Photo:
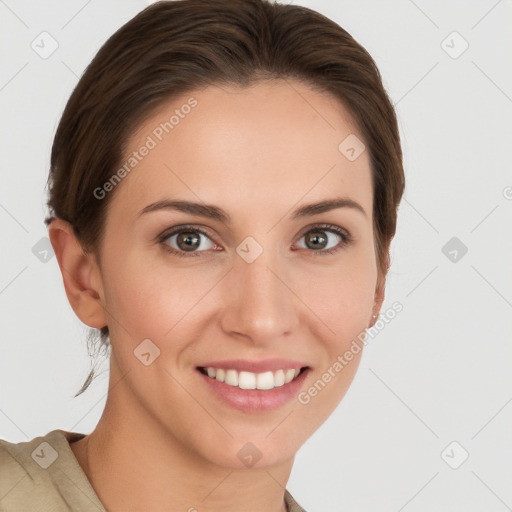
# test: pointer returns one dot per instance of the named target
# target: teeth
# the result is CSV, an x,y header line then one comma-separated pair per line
x,y
289,375
279,378
265,380
249,380
231,377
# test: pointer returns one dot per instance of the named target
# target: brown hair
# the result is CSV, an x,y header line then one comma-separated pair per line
x,y
173,47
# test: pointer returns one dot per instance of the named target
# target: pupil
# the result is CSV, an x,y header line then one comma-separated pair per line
x,y
317,240
190,241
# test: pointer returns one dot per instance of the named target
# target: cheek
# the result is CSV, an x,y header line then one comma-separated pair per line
x,y
342,303
151,297
342,297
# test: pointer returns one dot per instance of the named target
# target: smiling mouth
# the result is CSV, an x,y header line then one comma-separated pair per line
x,y
249,380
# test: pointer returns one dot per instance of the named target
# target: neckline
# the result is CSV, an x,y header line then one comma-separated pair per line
x,y
70,437
63,439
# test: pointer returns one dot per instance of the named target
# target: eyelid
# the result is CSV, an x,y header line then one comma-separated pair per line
x,y
326,226
346,236
176,230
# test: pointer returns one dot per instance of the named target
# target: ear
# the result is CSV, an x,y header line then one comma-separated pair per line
x,y
379,299
80,273
379,294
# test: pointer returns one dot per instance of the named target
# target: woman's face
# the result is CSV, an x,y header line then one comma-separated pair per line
x,y
251,285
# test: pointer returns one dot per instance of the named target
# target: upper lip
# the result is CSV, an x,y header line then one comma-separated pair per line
x,y
255,366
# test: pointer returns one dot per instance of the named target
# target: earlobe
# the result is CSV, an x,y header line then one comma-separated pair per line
x,y
380,287
379,299
80,274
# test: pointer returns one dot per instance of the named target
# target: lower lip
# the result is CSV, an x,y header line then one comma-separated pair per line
x,y
255,400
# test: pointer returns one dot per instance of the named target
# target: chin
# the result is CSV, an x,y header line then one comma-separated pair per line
x,y
249,447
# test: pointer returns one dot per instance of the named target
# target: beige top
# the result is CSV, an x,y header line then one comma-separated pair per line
x,y
44,475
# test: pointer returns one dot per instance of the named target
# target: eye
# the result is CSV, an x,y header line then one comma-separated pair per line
x,y
186,241
318,241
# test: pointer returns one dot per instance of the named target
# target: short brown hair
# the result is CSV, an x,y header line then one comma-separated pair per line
x,y
172,47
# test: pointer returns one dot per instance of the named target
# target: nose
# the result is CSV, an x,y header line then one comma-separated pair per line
x,y
259,303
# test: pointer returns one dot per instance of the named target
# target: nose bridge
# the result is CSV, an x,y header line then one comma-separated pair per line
x,y
261,306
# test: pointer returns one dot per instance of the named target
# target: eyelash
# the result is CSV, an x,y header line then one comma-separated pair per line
x,y
345,235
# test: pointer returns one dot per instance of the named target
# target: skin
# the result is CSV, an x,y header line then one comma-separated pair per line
x,y
164,440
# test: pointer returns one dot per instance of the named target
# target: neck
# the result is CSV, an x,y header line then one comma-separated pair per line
x,y
134,463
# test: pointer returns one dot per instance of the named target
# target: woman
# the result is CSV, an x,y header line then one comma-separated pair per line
x,y
223,193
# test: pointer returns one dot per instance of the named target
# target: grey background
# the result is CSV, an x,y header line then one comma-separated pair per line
x,y
438,372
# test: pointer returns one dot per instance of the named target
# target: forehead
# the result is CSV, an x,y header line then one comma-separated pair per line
x,y
272,143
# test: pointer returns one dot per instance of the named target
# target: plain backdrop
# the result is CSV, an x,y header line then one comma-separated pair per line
x,y
426,425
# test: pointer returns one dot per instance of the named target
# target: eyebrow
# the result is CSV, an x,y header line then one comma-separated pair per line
x,y
214,212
